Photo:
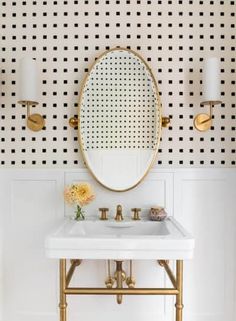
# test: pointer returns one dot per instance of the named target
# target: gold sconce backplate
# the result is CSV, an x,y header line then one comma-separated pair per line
x,y
202,122
35,122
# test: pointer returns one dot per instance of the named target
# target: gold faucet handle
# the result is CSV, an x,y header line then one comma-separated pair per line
x,y
136,216
103,211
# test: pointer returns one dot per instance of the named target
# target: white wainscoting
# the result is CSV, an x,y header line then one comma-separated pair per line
x,y
30,206
204,204
202,200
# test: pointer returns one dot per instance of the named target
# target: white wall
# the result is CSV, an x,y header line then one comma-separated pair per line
x,y
65,37
202,200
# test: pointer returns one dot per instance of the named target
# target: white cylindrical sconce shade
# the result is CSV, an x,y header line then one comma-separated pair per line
x,y
28,80
211,80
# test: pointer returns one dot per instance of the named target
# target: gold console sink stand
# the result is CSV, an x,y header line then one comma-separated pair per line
x,y
176,280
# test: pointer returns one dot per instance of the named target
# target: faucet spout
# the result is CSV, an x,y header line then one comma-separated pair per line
x,y
119,216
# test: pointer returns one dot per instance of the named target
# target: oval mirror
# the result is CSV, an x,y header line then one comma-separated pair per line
x,y
119,119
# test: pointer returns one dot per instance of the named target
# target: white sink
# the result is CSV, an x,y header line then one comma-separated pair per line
x,y
93,239
96,229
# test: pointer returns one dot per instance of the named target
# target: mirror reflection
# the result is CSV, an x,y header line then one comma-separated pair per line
x,y
119,119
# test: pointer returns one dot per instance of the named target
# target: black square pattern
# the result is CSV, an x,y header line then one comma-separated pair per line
x,y
65,37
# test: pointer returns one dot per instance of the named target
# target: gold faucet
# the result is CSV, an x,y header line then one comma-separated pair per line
x,y
119,216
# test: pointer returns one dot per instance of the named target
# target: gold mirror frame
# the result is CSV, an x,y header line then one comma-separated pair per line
x,y
158,111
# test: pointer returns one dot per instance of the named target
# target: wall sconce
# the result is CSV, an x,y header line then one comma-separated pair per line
x,y
211,93
28,92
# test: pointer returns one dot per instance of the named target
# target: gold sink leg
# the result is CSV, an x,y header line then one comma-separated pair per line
x,y
179,297
62,304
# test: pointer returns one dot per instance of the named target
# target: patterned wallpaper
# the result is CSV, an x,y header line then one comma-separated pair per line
x,y
65,37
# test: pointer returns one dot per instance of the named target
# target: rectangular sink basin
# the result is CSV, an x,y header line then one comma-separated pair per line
x,y
93,239
96,229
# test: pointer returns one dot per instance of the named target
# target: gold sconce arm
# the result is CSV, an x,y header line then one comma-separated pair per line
x,y
203,122
35,122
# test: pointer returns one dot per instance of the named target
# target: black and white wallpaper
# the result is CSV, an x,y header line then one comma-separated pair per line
x,y
65,37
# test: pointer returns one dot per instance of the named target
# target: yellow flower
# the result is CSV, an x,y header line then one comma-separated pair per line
x,y
83,193
80,194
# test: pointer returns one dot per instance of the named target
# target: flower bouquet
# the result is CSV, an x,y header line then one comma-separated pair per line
x,y
79,194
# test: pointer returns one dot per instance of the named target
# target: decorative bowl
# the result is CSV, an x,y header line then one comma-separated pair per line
x,y
157,213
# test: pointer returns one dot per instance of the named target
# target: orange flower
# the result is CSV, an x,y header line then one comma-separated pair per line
x,y
79,194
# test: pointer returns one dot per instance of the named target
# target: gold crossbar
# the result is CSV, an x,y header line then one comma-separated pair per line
x,y
125,291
